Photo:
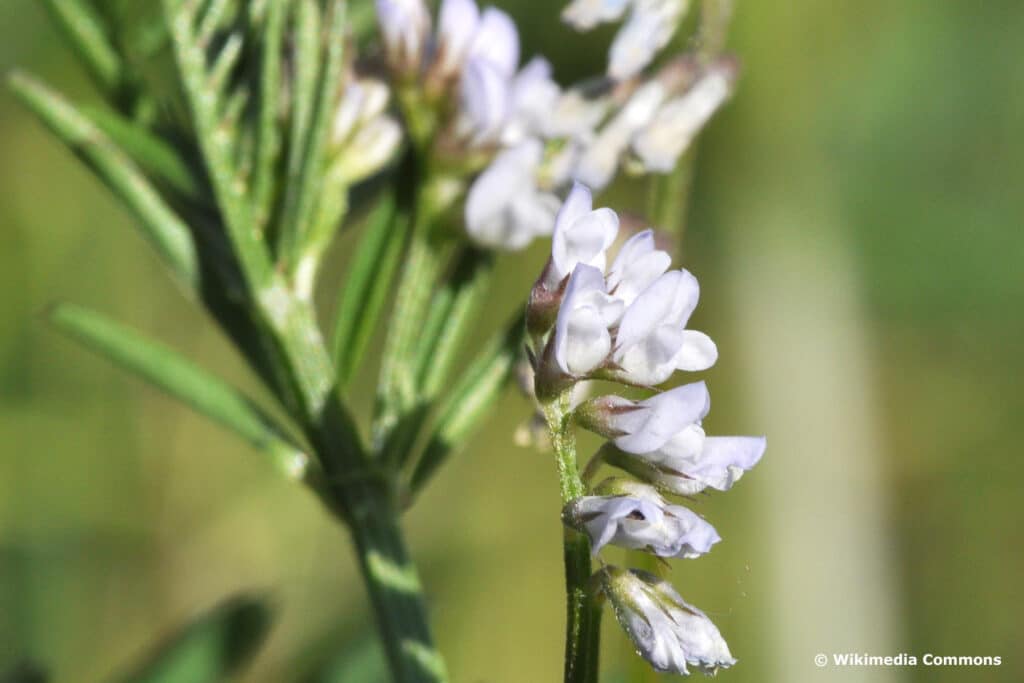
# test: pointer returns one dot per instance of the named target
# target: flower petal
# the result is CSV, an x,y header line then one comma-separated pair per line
x,y
497,41
697,352
664,415
457,26
582,341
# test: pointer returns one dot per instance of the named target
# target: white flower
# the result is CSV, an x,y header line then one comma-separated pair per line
x,y
534,94
497,41
584,15
582,340
650,27
690,461
404,25
652,341
660,144
504,207
364,135
637,265
372,147
362,100
667,631
601,157
485,101
582,235
456,28
634,516
646,426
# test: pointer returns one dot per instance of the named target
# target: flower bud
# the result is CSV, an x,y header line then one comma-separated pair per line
x,y
666,631
457,25
660,144
650,27
404,26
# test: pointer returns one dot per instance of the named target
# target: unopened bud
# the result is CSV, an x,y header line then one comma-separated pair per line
x,y
666,631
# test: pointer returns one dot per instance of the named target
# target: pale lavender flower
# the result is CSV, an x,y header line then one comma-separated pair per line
x,y
504,207
582,235
485,101
652,341
667,631
534,95
632,515
637,265
497,41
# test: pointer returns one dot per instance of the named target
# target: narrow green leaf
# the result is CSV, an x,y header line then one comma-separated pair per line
x,y
217,14
224,64
451,314
305,59
217,143
469,285
306,185
153,154
366,286
268,138
183,380
479,387
164,229
89,37
209,649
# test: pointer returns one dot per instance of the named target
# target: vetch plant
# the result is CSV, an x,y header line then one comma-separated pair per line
x,y
244,137
628,324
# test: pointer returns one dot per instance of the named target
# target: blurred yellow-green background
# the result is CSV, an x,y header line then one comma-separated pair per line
x,y
857,228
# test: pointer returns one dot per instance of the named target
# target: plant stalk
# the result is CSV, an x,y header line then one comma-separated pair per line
x,y
583,614
394,586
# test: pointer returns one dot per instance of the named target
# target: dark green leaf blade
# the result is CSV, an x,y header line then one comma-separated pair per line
x,y
210,648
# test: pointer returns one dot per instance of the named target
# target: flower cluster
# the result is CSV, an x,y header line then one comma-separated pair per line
x,y
529,137
627,322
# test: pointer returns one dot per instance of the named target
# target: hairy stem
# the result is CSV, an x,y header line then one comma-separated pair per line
x,y
583,615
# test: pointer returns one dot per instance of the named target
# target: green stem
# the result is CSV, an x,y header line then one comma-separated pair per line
x,y
394,588
583,614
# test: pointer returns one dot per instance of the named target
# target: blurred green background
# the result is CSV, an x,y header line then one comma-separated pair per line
x,y
857,227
